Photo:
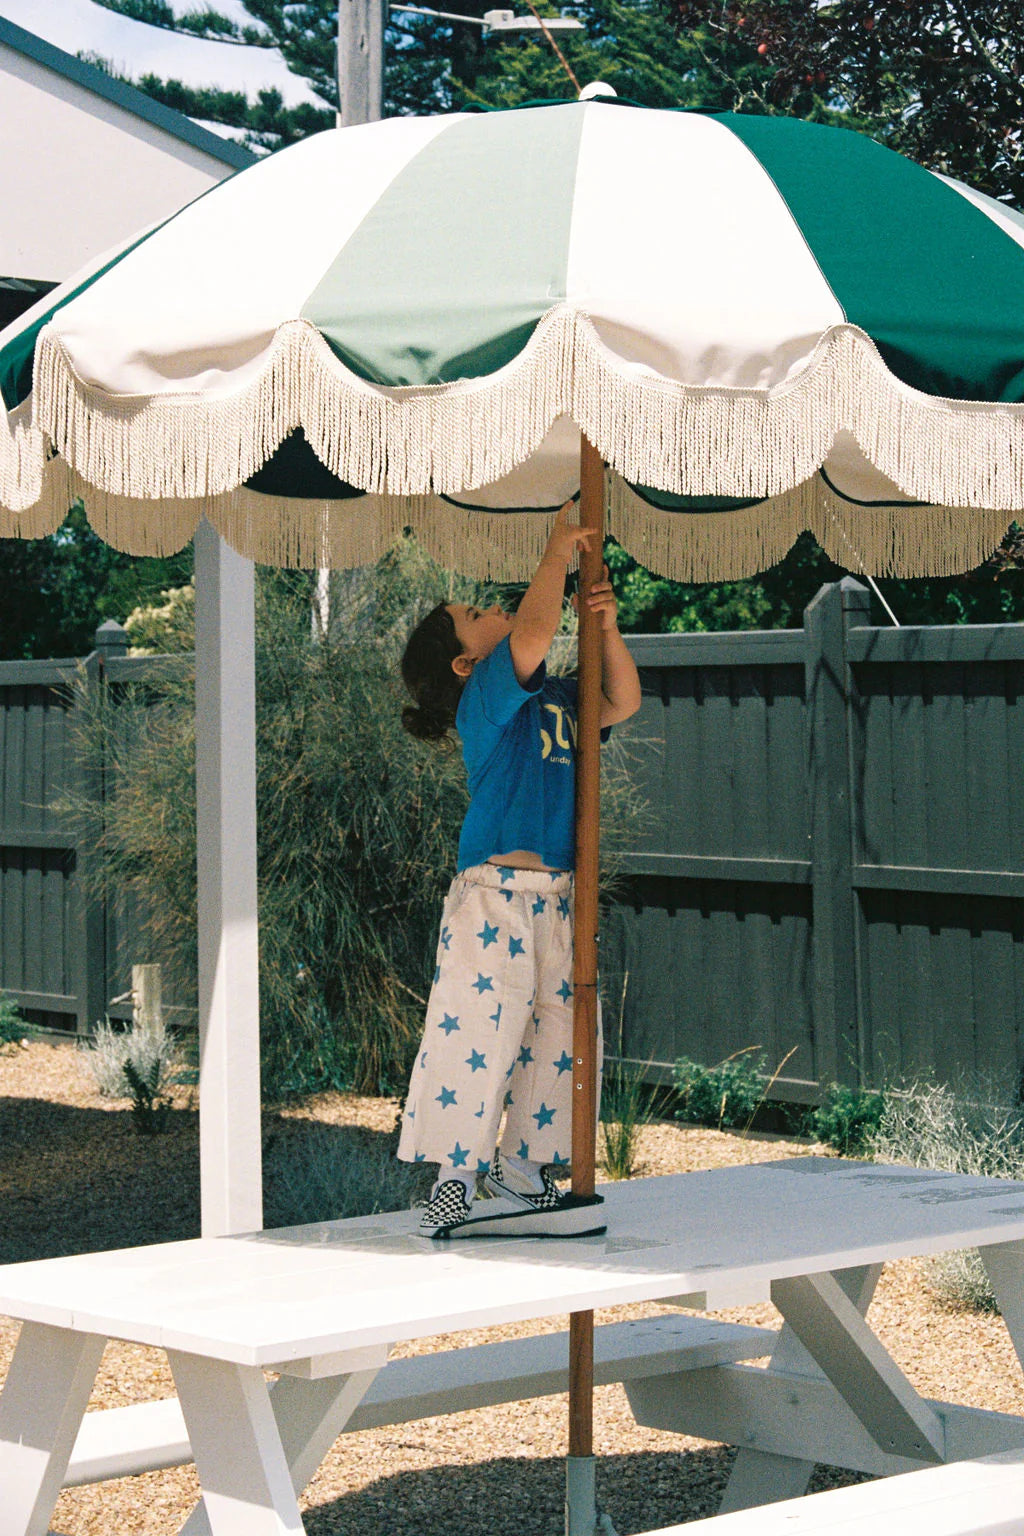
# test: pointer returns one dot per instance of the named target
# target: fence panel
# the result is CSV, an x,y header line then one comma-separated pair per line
x,y
42,959
833,859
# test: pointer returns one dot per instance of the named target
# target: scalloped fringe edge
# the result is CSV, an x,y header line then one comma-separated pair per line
x,y
444,439
684,546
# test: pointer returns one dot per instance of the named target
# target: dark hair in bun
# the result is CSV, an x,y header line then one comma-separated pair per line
x,y
427,673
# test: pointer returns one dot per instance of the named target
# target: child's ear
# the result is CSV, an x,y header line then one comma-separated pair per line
x,y
462,665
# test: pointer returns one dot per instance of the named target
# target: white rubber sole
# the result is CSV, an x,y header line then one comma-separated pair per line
x,y
578,1216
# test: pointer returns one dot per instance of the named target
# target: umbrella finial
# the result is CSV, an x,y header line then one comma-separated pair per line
x,y
597,88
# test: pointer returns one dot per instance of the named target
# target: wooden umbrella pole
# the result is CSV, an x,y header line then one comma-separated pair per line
x,y
584,1038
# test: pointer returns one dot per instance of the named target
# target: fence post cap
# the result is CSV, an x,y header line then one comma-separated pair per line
x,y
855,593
111,636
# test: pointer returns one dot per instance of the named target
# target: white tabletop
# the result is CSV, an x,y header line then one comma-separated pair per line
x,y
719,1238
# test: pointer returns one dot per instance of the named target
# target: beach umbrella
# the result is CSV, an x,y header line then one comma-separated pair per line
x,y
723,328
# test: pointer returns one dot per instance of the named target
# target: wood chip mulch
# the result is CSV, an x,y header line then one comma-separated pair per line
x,y
75,1176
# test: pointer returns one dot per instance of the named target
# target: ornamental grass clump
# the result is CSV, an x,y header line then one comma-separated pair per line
x,y
321,1172
968,1127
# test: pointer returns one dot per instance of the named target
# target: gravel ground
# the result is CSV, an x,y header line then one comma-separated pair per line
x,y
75,1175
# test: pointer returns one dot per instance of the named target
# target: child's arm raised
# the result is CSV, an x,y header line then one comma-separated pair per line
x,y
536,620
620,682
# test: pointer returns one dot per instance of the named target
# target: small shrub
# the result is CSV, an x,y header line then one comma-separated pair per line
x,y
964,1128
625,1107
846,1119
326,1173
726,1096
136,1063
13,1028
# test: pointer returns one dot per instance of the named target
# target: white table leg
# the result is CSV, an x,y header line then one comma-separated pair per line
x,y
41,1408
309,1416
1004,1263
760,1477
247,1489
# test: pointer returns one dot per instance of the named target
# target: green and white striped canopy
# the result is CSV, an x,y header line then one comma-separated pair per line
x,y
763,324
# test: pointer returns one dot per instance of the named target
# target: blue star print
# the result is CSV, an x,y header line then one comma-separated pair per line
x,y
559,1161
525,1056
483,983
419,1157
543,1116
445,1097
449,1023
524,1151
563,906
437,973
507,875
565,991
489,934
480,1112
458,1155
446,937
564,1063
482,1165
516,947
538,906
496,1017
475,1060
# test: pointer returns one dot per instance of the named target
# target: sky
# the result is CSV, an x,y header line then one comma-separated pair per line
x,y
134,49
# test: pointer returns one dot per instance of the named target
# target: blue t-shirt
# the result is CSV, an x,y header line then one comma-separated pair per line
x,y
519,745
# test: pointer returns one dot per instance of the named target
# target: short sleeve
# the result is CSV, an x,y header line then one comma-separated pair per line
x,y
494,694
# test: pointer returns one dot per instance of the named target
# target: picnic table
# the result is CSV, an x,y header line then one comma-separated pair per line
x,y
323,1305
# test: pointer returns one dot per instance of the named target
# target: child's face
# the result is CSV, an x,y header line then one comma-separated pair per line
x,y
478,630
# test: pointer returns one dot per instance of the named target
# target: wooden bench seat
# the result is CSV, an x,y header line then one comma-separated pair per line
x,y
118,1442
983,1497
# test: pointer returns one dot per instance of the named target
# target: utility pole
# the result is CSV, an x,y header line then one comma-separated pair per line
x,y
361,26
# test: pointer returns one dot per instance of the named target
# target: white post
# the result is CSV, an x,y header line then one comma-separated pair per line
x,y
229,1016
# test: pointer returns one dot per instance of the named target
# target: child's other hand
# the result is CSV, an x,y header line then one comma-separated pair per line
x,y
566,538
602,601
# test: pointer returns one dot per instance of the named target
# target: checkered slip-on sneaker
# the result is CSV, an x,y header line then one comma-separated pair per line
x,y
448,1207
506,1181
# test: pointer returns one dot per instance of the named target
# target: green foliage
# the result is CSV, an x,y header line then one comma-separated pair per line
x,y
846,1119
149,1111
13,1028
58,590
938,82
776,598
167,626
726,1096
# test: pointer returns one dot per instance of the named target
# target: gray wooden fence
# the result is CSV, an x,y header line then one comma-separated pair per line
x,y
65,952
831,863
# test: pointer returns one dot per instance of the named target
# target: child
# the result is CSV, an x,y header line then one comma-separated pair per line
x,y
498,1030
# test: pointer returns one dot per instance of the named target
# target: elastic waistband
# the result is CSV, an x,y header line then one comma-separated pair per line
x,y
499,877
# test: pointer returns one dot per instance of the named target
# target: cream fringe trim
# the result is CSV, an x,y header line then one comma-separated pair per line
x,y
446,438
685,546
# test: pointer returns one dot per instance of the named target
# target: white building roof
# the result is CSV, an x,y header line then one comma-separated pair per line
x,y
135,49
88,161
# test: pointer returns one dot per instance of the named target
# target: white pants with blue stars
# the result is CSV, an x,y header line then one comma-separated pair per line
x,y
498,1032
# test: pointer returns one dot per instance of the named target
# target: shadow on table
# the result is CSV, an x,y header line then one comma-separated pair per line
x,y
514,1496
